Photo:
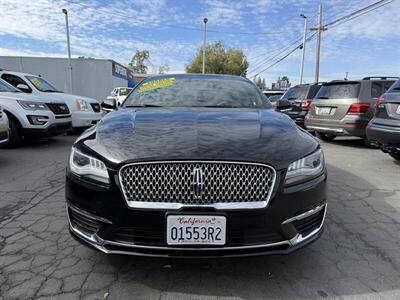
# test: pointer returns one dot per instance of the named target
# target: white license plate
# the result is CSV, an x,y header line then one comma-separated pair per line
x,y
398,110
323,110
196,230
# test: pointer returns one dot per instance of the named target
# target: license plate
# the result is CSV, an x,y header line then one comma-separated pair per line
x,y
323,110
398,110
196,230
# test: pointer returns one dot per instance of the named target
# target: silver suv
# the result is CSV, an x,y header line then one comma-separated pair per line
x,y
32,116
344,107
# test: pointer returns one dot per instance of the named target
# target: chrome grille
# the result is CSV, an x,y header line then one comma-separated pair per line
x,y
173,182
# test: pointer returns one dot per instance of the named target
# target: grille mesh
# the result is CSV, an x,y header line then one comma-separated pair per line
x,y
58,108
172,182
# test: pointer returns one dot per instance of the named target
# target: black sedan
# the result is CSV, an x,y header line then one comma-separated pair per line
x,y
384,129
196,166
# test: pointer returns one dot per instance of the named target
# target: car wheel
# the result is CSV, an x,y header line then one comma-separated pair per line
x,y
396,156
14,138
325,136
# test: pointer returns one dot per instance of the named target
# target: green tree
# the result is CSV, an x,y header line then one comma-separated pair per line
x,y
260,83
137,64
163,69
219,61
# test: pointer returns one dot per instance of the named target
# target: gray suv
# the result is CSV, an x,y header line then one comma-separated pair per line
x,y
343,107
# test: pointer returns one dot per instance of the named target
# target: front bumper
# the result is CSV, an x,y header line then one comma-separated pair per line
x,y
84,119
99,217
50,130
350,125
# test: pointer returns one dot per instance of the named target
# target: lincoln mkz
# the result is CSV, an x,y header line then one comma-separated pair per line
x,y
196,166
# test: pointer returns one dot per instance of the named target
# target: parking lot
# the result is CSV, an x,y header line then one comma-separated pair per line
x,y
357,256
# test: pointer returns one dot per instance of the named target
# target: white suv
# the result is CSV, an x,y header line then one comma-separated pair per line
x,y
85,111
4,127
31,116
120,94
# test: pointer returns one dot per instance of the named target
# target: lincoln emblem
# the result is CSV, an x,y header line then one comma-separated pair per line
x,y
197,182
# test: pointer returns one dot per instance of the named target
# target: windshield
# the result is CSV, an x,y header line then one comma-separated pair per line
x,y
6,87
195,91
338,91
297,92
42,85
124,91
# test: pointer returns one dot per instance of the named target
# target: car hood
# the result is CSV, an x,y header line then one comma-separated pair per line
x,y
199,134
69,99
29,97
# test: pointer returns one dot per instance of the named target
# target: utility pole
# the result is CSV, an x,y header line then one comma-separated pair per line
x,y
304,46
205,20
319,30
69,50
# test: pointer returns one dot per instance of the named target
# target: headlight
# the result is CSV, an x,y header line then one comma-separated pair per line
x,y
29,105
82,104
88,166
306,168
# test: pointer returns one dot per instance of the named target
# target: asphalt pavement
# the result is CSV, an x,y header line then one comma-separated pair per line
x,y
358,256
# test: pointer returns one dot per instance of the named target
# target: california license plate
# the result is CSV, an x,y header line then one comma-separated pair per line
x,y
323,110
196,230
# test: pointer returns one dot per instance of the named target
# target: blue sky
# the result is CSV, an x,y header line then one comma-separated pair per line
x,y
171,31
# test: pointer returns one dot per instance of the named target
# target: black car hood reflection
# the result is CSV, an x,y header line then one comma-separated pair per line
x,y
147,134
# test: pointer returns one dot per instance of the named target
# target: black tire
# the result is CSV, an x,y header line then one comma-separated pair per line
x,y
14,138
396,156
325,136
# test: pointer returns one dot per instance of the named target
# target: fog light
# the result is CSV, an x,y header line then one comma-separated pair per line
x,y
38,120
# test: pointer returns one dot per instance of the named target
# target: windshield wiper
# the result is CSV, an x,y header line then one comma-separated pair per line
x,y
323,97
144,105
291,98
51,91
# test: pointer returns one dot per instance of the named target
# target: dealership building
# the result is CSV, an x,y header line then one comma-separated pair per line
x,y
94,78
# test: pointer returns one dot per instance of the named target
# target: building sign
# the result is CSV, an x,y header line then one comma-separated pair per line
x,y
120,71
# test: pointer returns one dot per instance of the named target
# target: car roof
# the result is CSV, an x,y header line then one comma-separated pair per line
x,y
18,73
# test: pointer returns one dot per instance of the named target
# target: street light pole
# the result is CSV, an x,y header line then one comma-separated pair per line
x,y
205,20
304,46
69,49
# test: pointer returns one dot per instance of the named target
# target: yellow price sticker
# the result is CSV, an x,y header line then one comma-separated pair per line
x,y
156,84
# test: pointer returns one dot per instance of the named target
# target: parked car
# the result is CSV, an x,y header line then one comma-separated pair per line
x,y
32,116
85,111
196,169
120,94
300,97
384,129
343,107
4,127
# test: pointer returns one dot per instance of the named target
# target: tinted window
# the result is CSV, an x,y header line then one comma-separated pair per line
x,y
6,87
376,89
297,92
14,80
195,91
338,91
41,84
390,86
313,91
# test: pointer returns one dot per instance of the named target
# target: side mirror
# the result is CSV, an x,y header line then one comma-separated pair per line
x,y
24,88
283,104
109,104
